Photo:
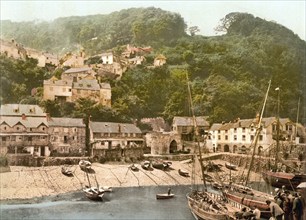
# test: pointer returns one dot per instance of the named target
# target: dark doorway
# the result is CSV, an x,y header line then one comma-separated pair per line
x,y
173,147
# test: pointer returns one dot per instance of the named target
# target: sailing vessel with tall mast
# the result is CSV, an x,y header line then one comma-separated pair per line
x,y
242,194
279,178
202,204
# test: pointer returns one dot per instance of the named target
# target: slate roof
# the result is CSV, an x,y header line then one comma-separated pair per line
x,y
29,122
112,127
87,84
66,122
78,70
66,82
188,121
19,109
105,86
248,122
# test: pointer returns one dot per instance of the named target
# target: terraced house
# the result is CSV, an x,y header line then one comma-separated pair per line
x,y
238,136
24,129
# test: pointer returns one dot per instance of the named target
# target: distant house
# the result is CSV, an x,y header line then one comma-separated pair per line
x,y
90,88
42,57
55,89
110,135
24,130
107,58
185,126
12,49
160,60
78,73
73,60
67,136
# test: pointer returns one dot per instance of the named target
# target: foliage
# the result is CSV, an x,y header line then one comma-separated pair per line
x,y
96,33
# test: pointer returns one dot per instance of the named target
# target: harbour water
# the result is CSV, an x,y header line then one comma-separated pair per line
x,y
122,203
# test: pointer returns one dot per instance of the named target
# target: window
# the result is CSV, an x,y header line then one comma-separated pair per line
x,y
235,137
65,139
243,137
29,138
4,128
274,127
3,139
226,137
288,127
243,129
13,138
219,137
226,131
235,130
252,137
260,137
69,90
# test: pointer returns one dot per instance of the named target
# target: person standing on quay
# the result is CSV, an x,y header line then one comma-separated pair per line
x,y
297,207
275,210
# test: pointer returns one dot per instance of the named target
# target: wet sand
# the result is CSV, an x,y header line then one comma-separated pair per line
x,y
34,182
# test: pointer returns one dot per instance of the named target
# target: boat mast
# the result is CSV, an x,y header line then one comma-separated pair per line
x,y
196,131
259,127
277,131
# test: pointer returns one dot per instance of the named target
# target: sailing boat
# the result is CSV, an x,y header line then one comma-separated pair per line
x,y
91,192
279,178
243,195
202,204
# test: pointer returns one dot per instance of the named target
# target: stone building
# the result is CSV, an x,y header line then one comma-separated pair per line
x,y
238,136
110,135
55,89
184,126
67,136
163,142
24,130
75,85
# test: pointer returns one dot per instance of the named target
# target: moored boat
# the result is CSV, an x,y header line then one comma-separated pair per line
x,y
146,165
279,179
183,172
164,196
66,170
230,166
93,194
134,168
85,165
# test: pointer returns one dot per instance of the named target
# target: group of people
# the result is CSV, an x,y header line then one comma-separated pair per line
x,y
286,206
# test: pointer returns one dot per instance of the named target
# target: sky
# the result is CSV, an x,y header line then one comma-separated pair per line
x,y
202,13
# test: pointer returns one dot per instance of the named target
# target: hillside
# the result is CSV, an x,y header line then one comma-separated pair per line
x,y
229,73
98,32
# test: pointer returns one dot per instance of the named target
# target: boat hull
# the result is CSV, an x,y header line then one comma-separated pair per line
x,y
183,173
239,200
164,196
198,210
279,179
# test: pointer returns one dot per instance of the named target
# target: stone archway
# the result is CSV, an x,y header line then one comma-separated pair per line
x,y
226,148
235,148
173,147
219,148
